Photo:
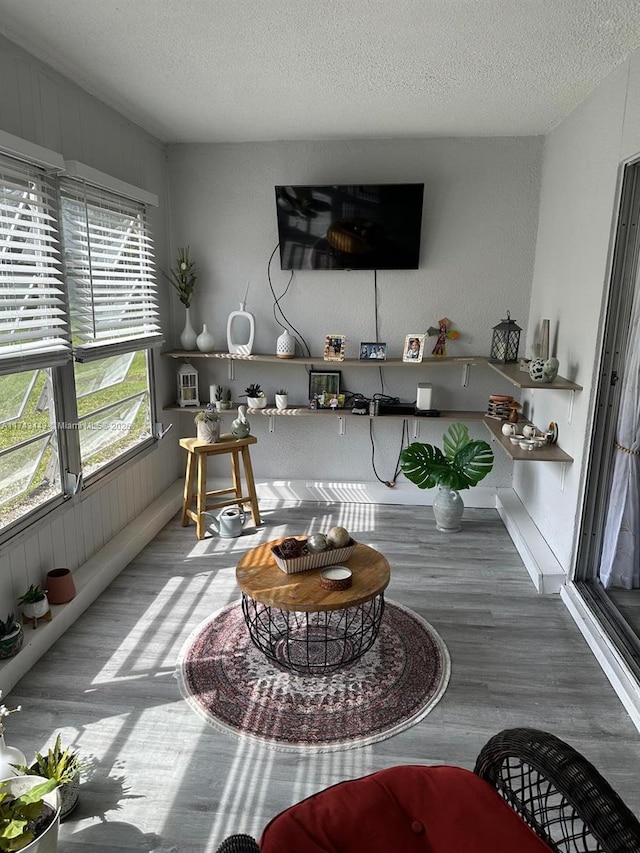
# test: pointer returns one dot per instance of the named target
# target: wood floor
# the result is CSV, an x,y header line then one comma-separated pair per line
x,y
162,780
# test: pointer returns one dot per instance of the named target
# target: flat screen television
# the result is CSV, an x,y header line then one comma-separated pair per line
x,y
350,227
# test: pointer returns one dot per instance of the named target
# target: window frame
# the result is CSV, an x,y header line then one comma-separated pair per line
x,y
64,400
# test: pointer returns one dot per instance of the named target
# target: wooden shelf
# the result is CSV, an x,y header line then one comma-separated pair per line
x,y
521,379
548,453
329,365
305,412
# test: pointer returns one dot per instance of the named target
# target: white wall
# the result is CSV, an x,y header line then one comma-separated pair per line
x,y
479,226
39,105
579,197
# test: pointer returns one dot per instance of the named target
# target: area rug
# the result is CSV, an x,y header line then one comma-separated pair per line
x,y
230,683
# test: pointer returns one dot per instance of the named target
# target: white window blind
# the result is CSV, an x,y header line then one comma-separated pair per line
x,y
110,272
33,324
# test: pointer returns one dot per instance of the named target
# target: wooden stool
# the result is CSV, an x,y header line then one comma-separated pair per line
x,y
197,454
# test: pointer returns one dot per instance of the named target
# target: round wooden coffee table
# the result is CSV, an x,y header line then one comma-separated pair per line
x,y
300,625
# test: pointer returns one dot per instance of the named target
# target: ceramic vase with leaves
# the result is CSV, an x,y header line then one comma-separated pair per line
x,y
462,464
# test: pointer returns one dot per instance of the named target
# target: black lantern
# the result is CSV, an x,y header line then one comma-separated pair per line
x,y
505,342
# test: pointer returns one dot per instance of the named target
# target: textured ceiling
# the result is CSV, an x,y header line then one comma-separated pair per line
x,y
236,70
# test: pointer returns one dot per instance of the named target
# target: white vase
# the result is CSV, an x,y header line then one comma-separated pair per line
x,y
205,340
281,401
241,330
448,507
9,755
286,345
189,335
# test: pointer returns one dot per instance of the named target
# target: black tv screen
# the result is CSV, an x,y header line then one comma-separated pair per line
x,y
354,227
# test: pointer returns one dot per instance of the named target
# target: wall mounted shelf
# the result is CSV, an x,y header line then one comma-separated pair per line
x,y
314,361
548,453
521,379
340,416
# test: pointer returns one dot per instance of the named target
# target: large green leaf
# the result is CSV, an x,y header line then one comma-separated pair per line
x,y
463,464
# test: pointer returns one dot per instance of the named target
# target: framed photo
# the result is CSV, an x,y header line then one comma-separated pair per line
x,y
413,348
334,348
324,389
373,349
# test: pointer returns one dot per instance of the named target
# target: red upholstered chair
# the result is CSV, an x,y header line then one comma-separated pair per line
x,y
530,793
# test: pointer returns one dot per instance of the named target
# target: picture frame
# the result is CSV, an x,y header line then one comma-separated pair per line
x,y
324,389
334,348
373,350
413,348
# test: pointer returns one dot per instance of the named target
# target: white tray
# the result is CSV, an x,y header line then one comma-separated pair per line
x,y
314,561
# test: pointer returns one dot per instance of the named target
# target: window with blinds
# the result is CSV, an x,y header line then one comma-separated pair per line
x,y
33,324
109,268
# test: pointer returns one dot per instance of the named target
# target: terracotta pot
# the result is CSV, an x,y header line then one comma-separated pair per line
x,y
60,586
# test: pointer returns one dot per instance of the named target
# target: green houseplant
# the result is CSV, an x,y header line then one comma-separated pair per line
x,y
208,424
460,465
29,814
256,398
35,603
11,636
62,765
282,399
184,276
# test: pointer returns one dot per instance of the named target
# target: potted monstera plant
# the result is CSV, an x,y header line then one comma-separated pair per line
x,y
461,464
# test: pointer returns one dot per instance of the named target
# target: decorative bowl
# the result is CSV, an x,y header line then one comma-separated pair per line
x,y
313,561
336,578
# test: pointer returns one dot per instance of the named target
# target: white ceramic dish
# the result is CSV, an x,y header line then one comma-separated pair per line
x,y
336,573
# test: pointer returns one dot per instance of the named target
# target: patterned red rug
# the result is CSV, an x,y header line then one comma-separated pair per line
x,y
232,685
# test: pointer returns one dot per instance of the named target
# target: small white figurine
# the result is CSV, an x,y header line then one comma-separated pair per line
x,y
240,426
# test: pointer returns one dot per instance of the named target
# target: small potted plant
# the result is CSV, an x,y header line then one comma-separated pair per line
x,y
282,399
462,464
35,604
223,398
256,398
208,425
29,814
11,636
62,765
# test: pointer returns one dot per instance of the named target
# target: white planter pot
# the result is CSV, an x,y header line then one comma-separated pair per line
x,y
208,431
256,402
48,841
36,609
281,401
448,507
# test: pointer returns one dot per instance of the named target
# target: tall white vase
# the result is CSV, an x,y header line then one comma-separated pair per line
x,y
189,335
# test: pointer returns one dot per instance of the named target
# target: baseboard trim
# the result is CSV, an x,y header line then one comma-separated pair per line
x,y
91,579
403,493
545,571
612,664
